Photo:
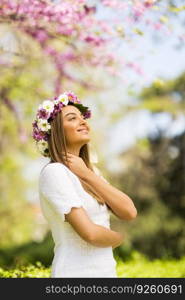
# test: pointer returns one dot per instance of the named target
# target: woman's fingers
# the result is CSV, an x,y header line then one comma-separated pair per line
x,y
68,154
66,157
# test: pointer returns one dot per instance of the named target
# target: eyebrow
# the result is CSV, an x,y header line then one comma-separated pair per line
x,y
72,114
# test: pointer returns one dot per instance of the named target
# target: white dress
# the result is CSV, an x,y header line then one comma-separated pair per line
x,y
60,190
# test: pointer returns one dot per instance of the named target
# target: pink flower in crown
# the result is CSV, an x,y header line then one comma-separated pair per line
x,y
72,97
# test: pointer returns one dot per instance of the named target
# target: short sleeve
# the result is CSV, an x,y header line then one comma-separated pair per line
x,y
58,189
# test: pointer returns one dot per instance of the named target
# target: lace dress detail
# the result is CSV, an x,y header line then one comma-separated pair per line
x,y
60,190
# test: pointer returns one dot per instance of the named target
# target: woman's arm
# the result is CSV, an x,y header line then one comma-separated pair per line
x,y
119,202
104,237
92,233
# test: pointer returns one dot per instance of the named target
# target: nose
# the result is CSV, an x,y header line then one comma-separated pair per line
x,y
84,122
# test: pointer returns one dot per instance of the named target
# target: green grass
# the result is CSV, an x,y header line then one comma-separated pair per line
x,y
30,271
138,266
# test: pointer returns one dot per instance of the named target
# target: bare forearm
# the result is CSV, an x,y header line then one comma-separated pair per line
x,y
104,237
120,203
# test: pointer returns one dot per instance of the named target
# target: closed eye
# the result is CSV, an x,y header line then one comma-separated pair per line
x,y
75,118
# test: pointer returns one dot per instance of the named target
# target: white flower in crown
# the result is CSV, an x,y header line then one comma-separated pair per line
x,y
48,105
56,101
43,125
63,98
42,145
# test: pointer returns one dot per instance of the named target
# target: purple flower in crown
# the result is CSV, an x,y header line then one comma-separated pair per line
x,y
37,134
87,114
34,124
43,114
46,137
57,108
52,116
54,113
60,105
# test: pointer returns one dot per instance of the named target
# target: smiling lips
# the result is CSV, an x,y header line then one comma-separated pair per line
x,y
84,130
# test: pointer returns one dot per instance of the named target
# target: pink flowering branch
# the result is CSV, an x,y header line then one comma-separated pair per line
x,y
84,38
76,25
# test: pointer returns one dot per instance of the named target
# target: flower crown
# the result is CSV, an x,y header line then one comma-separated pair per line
x,y
46,112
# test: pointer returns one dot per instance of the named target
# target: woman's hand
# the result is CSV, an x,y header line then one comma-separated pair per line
x,y
119,241
76,165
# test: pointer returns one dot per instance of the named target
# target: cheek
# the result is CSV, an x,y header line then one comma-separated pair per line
x,y
70,131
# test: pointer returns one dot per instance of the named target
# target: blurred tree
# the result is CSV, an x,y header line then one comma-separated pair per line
x,y
154,177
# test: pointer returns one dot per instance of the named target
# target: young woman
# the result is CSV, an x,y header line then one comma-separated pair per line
x,y
75,199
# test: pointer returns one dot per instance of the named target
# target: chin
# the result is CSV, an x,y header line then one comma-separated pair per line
x,y
85,141
86,138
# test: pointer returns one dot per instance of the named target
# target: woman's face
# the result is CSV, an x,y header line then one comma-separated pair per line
x,y
76,127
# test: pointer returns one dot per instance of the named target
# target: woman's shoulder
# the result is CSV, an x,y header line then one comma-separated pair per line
x,y
52,167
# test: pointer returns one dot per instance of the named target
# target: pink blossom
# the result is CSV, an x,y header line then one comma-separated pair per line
x,y
157,26
94,40
138,10
41,36
79,35
136,67
65,30
50,50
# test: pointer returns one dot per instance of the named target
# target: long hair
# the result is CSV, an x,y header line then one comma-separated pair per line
x,y
57,148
